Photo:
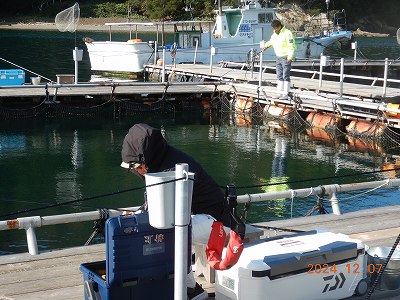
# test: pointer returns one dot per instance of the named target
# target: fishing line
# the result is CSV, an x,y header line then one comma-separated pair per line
x,y
314,179
88,198
173,180
41,203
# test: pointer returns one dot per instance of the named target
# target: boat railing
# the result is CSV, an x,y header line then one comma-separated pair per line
x,y
30,223
160,28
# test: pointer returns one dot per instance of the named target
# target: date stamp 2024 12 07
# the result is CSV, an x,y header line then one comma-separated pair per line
x,y
353,268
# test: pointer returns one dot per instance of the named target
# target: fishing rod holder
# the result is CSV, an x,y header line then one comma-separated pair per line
x,y
236,223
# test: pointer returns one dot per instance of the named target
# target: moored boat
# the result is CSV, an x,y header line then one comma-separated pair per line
x,y
236,34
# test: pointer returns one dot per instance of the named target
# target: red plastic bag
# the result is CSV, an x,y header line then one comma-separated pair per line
x,y
216,244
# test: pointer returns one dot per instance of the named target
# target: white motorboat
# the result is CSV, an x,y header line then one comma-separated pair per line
x,y
235,33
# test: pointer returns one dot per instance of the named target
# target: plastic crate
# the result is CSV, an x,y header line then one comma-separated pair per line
x,y
139,262
12,77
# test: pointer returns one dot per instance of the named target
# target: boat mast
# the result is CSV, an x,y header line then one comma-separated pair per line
x,y
219,8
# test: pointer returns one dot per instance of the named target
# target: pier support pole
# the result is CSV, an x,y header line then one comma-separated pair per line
x,y
181,231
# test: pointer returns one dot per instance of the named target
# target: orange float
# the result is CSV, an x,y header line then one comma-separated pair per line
x,y
393,110
243,103
320,134
364,146
365,127
280,111
322,121
135,41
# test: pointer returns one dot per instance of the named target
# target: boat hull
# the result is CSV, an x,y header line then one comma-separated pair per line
x,y
119,56
311,47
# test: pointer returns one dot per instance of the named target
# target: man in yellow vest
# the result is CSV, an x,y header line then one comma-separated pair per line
x,y
284,45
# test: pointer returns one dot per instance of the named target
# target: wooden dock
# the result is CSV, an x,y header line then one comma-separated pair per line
x,y
367,100
104,89
55,275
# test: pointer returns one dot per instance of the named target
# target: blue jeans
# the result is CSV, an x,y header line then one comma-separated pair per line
x,y
283,68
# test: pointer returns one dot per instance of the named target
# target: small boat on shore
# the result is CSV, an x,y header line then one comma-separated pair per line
x,y
235,36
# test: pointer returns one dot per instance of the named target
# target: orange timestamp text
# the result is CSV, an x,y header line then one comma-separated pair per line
x,y
353,268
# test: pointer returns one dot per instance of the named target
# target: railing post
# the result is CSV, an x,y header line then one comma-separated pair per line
x,y
385,75
29,224
341,76
261,69
163,66
212,53
354,46
335,205
320,70
181,231
155,52
195,52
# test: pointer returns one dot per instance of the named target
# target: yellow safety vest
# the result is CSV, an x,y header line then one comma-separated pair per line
x,y
283,43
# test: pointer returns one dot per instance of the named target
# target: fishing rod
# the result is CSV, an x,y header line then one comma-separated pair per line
x,y
18,66
169,181
314,179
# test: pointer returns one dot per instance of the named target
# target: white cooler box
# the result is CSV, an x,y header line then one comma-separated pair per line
x,y
310,265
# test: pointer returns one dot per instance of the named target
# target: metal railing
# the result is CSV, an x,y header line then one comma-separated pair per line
x,y
30,223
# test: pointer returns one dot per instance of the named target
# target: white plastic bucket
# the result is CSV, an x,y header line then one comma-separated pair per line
x,y
35,80
161,199
390,279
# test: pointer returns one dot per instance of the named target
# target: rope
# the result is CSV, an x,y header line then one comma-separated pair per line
x,y
99,225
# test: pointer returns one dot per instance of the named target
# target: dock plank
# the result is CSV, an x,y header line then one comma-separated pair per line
x,y
55,275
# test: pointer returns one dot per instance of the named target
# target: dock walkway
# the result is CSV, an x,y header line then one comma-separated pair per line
x,y
236,75
55,275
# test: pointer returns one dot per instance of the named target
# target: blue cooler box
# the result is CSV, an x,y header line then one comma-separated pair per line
x,y
139,262
12,77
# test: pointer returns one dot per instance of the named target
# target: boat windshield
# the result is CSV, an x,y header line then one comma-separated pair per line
x,y
233,18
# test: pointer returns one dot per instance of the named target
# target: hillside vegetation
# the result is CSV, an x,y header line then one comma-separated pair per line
x,y
368,15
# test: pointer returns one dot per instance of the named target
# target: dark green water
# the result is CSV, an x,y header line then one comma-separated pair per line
x,y
46,162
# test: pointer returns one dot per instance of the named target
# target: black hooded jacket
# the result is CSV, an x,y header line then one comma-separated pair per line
x,y
145,144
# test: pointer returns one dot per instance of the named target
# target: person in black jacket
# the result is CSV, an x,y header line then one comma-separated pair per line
x,y
145,150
